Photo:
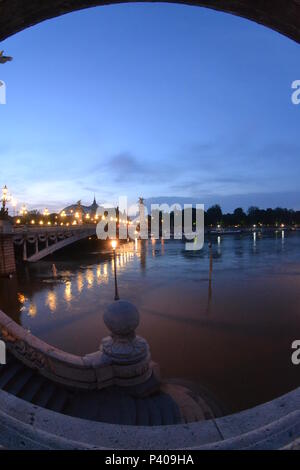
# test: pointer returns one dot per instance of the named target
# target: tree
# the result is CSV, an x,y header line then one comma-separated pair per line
x,y
239,216
214,215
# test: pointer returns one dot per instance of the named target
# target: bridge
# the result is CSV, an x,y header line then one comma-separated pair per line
x,y
45,240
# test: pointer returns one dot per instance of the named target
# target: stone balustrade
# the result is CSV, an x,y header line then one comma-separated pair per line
x,y
123,358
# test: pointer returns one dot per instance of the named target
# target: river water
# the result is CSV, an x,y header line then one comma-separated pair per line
x,y
232,336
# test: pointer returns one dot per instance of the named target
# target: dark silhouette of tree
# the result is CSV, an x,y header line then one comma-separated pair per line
x,y
214,215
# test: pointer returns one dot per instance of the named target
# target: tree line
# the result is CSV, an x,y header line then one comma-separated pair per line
x,y
253,216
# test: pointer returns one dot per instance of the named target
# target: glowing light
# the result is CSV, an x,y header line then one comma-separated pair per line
x,y
32,222
114,244
51,301
21,298
90,278
32,311
80,282
23,210
18,221
99,273
68,291
105,271
41,222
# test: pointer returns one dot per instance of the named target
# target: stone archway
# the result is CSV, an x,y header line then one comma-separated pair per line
x,y
280,15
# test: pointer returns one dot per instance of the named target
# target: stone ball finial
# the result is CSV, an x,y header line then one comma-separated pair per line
x,y
121,318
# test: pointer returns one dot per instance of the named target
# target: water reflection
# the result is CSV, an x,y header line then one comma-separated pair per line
x,y
21,298
89,275
68,291
51,301
32,311
80,282
254,242
219,246
228,301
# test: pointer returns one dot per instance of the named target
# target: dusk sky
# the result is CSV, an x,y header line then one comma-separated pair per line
x,y
152,100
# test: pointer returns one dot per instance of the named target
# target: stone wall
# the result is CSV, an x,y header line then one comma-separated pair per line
x,y
7,255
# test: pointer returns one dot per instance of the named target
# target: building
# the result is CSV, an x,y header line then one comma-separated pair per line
x,y
80,210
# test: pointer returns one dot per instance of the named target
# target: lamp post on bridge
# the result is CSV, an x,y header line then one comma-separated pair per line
x,y
4,199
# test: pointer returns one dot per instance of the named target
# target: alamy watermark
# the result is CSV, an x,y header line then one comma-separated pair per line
x,y
2,353
2,92
296,353
187,223
296,93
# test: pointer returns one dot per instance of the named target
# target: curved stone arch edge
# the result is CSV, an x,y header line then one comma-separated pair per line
x,y
270,426
283,20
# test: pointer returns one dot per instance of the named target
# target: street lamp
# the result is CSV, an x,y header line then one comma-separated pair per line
x,y
114,246
4,198
23,210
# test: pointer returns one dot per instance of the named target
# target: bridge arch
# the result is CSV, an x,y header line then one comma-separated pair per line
x,y
280,15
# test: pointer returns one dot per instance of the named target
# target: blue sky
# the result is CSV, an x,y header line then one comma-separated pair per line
x,y
153,100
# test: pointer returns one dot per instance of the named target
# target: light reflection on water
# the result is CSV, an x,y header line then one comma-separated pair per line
x,y
232,333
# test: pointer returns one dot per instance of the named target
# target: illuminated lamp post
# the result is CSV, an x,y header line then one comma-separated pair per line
x,y
4,199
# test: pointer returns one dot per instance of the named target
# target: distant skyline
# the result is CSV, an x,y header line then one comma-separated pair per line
x,y
157,100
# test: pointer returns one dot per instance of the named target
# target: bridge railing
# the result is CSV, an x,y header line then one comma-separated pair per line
x,y
50,228
92,371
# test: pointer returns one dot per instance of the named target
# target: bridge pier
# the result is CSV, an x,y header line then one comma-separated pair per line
x,y
7,252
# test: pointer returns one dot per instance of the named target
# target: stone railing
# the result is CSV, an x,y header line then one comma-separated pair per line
x,y
123,359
